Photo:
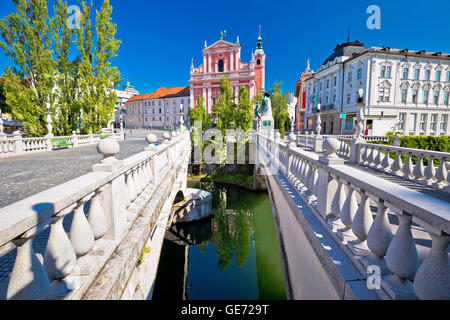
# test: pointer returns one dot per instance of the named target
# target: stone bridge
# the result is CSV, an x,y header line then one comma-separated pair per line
x,y
96,236
353,223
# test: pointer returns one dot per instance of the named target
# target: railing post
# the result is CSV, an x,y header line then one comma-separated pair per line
x,y
74,139
327,186
113,197
18,143
355,150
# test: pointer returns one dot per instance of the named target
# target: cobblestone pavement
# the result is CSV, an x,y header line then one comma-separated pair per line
x,y
25,175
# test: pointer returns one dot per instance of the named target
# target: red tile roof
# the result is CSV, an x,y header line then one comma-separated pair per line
x,y
162,93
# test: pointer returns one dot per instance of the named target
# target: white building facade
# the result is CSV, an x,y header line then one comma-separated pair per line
x,y
404,88
158,110
123,95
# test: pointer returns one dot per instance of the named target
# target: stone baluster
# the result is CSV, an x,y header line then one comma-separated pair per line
x,y
432,278
96,217
137,181
419,170
131,187
402,258
81,235
59,256
28,280
377,159
397,165
349,210
430,170
362,221
370,158
441,172
385,164
380,235
364,154
408,166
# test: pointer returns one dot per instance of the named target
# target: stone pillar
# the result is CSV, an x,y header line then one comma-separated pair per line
x,y
18,144
326,184
113,197
91,137
74,139
232,61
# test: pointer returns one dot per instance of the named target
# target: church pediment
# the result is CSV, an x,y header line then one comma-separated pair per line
x,y
221,44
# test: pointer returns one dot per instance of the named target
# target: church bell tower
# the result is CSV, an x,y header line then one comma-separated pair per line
x,y
259,58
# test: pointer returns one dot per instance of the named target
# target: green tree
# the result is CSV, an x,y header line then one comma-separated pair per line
x,y
199,114
4,107
97,77
279,109
27,42
243,116
225,108
67,113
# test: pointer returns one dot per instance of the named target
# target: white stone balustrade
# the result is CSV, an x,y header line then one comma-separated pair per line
x,y
14,144
343,197
116,192
377,156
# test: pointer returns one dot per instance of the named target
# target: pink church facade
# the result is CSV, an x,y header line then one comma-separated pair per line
x,y
223,58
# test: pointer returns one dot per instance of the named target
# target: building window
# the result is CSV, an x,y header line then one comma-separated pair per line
x,y
423,119
404,95
258,62
433,122
448,76
349,77
349,98
414,97
348,123
446,96
335,80
153,103
438,75
159,118
160,110
401,118
153,111
388,71
328,83
167,110
405,73
220,64
416,74
334,97
214,101
443,124
359,76
436,97
427,74
384,94
182,101
320,85
153,118
426,93
383,71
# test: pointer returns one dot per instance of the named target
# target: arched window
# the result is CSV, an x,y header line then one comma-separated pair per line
x,y
220,65
258,62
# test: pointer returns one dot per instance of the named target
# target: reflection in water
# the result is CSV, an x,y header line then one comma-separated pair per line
x,y
233,255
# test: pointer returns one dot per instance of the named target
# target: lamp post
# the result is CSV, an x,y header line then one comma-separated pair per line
x,y
49,120
360,115
181,117
1,123
318,121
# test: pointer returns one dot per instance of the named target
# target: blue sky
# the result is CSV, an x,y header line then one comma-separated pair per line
x,y
159,38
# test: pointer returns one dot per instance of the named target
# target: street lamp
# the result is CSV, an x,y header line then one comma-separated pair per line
x,y
360,115
318,121
1,122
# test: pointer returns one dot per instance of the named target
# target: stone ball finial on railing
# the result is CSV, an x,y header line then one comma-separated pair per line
x,y
331,145
277,136
108,147
152,140
166,137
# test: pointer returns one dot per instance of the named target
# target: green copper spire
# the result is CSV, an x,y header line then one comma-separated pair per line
x,y
259,47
